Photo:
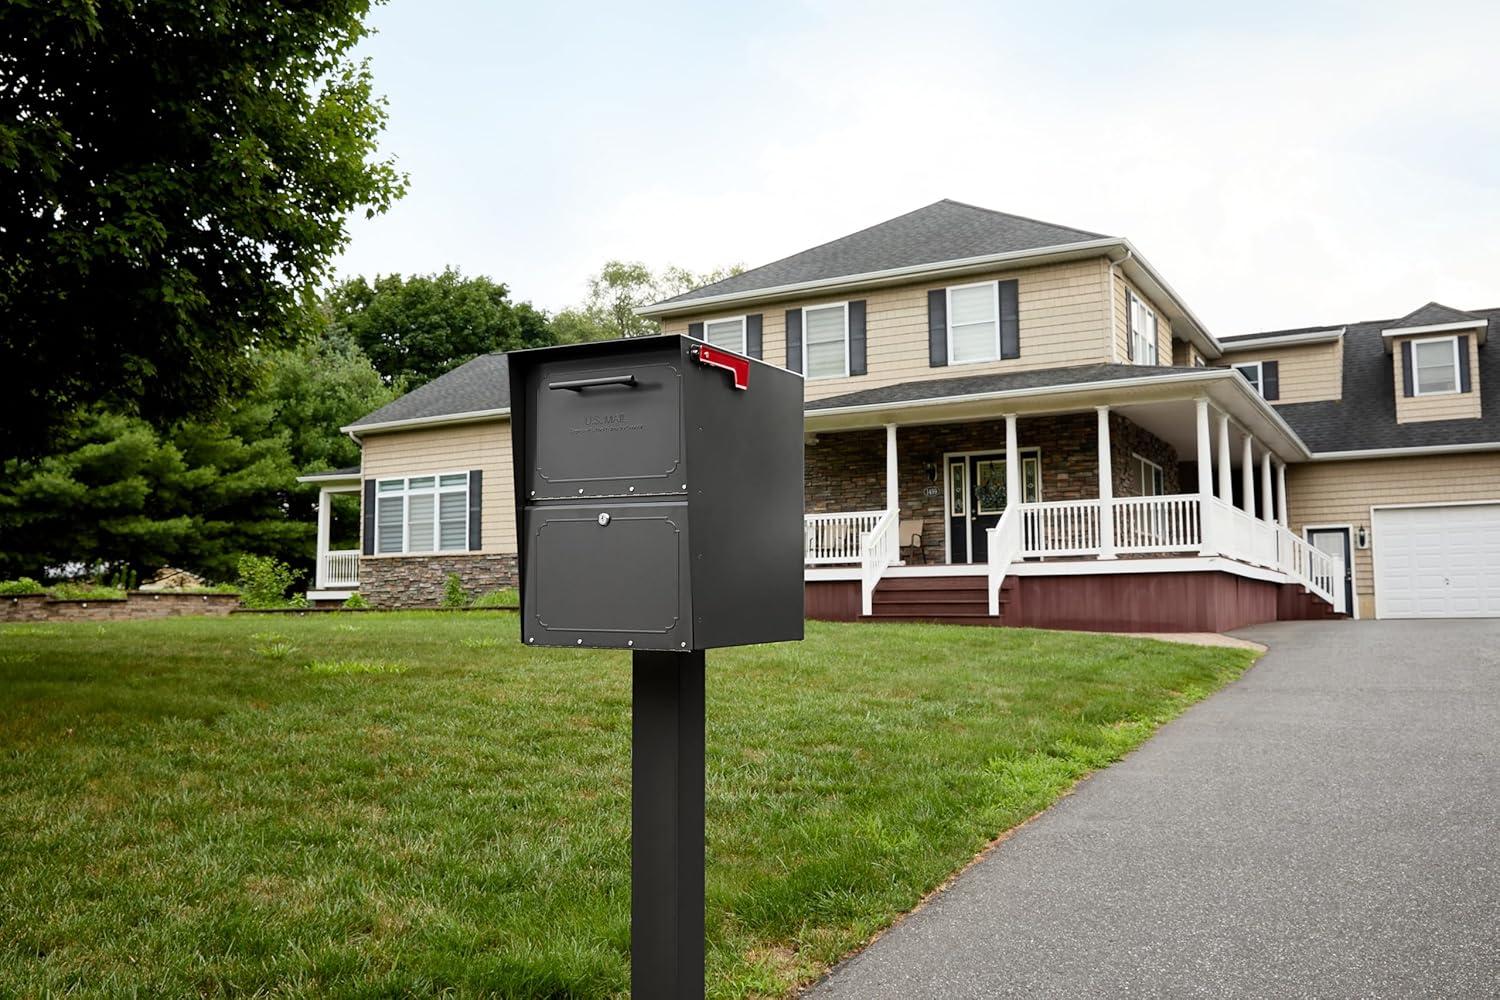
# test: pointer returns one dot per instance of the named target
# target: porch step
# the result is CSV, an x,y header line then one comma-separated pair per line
x,y
953,600
934,619
891,584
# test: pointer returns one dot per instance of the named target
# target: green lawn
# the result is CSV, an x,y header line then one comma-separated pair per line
x,y
362,805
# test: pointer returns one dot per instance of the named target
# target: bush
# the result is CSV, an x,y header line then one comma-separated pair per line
x,y
24,585
505,597
264,582
86,592
356,602
453,592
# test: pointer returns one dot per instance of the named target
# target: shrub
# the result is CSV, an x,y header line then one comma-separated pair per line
x,y
85,592
23,585
356,602
505,597
453,592
264,582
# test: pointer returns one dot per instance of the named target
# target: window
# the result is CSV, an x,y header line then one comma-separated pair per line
x,y
422,514
1435,366
825,341
726,333
958,495
1142,330
973,323
1251,371
1149,479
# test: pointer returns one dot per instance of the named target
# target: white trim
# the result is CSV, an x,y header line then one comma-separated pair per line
x,y
1131,301
436,491
1030,451
469,417
825,305
1260,373
742,319
1431,503
1067,567
1282,340
1353,563
1143,460
1434,449
1416,368
948,319
1468,324
328,477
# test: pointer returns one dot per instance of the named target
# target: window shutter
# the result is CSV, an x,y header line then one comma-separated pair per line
x,y
1270,379
857,337
794,340
937,327
1406,372
1129,325
695,330
1010,320
476,508
752,336
1464,385
367,542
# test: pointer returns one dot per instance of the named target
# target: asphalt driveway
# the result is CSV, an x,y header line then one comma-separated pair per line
x,y
1328,826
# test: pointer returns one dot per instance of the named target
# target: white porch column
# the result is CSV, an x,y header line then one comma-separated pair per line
x,y
1267,511
1281,506
1205,477
325,521
1012,463
1247,475
1226,472
892,487
1106,490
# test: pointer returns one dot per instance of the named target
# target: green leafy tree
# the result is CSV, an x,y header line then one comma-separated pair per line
x,y
620,288
415,328
174,175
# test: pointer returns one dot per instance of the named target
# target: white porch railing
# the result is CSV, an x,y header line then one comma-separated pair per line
x,y
339,570
1239,536
1158,524
878,548
835,538
1315,569
1060,528
1004,549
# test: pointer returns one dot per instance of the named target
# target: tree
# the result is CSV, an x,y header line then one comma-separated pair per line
x,y
618,290
415,329
173,175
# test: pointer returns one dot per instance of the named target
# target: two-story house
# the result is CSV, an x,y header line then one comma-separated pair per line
x,y
1013,422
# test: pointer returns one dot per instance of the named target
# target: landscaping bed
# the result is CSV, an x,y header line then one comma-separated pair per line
x,y
407,804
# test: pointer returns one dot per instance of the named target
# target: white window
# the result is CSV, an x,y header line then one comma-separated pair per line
x,y
1142,330
973,323
1149,478
422,514
825,341
1435,366
726,333
1251,371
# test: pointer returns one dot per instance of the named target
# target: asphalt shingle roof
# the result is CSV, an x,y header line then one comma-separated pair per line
x,y
966,385
480,384
1432,314
943,231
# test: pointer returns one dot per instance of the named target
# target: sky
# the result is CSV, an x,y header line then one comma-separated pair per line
x,y
1281,164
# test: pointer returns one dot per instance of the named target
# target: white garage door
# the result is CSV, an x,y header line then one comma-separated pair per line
x,y
1437,562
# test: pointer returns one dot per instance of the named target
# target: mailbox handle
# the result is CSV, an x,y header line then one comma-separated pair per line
x,y
588,383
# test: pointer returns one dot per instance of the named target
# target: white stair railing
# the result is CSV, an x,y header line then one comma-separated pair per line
x,y
878,548
1321,573
835,538
1004,548
1239,536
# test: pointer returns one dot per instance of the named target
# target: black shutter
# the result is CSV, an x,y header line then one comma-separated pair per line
x,y
857,337
752,336
1129,325
1464,385
1270,379
937,327
695,330
1406,375
367,544
476,508
1010,320
794,340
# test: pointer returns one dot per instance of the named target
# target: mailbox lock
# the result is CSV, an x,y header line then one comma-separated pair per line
x,y
603,520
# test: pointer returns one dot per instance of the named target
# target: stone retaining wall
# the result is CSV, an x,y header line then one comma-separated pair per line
x,y
135,604
417,581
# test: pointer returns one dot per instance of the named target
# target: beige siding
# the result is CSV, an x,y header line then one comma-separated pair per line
x,y
483,446
1121,329
1185,355
1062,316
1343,492
1306,373
1449,406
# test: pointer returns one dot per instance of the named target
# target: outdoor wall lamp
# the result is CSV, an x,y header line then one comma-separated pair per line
x,y
1362,537
931,472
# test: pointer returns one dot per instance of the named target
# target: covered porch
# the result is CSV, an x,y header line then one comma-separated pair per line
x,y
335,570
1043,487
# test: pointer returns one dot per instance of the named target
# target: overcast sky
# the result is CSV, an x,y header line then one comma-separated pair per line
x,y
1282,164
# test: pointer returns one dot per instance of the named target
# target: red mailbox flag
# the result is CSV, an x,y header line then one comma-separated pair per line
x,y
734,364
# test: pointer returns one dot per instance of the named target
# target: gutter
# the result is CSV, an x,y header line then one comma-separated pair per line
x,y
443,419
1284,340
1412,452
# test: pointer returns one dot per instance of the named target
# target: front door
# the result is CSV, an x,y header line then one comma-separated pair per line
x,y
1335,542
976,498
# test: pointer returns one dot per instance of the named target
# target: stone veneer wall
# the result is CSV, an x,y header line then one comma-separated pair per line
x,y
136,604
846,471
417,581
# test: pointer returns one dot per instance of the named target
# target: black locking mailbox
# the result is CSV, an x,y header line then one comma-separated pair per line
x,y
658,496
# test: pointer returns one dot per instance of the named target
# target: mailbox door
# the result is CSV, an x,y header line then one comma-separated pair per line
x,y
606,429
607,575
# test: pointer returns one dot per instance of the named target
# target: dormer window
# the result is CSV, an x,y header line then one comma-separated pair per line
x,y
1435,366
1251,372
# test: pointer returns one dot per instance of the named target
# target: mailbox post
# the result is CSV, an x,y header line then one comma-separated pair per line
x,y
659,509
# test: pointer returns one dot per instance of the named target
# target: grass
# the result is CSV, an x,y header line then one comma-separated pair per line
x,y
402,806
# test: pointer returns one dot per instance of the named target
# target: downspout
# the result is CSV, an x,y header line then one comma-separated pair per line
x,y
1109,326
